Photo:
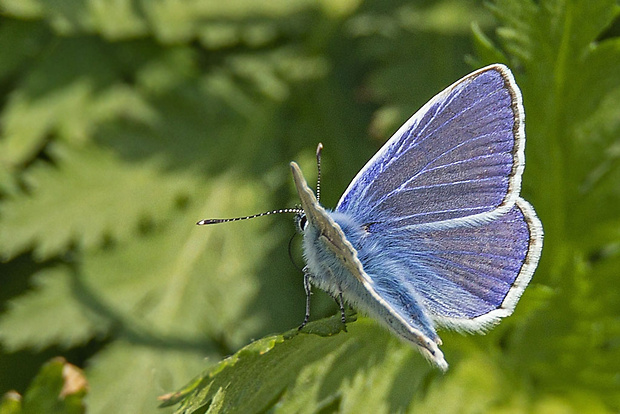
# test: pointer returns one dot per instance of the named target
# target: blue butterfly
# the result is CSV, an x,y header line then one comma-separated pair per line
x,y
432,231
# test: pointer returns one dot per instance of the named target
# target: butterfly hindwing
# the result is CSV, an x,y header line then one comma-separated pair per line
x,y
469,276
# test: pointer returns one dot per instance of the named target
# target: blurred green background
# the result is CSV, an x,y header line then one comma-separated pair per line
x,y
123,123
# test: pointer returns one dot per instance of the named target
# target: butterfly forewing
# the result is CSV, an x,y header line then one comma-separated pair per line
x,y
459,158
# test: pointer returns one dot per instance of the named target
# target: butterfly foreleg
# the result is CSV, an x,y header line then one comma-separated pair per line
x,y
339,300
343,316
308,290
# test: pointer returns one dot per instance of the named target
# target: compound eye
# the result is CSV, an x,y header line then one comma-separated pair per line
x,y
302,222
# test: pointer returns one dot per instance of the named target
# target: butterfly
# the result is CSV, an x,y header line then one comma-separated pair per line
x,y
432,231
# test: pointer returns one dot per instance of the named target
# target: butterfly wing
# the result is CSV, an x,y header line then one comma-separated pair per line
x,y
458,159
442,196
468,277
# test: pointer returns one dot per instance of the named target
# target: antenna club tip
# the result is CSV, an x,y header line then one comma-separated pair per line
x,y
319,148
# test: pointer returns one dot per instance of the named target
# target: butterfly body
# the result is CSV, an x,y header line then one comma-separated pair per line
x,y
432,231
387,273
343,260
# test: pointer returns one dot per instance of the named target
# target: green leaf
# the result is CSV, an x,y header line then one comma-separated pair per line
x,y
66,321
308,371
182,281
91,196
20,42
171,22
62,84
156,289
59,388
127,376
157,294
485,49
11,403
23,9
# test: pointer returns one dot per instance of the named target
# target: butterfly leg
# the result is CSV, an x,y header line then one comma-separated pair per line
x,y
343,316
308,290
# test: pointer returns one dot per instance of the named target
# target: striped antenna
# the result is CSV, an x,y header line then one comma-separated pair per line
x,y
319,148
267,213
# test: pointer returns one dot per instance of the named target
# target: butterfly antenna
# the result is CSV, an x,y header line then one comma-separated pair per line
x,y
319,148
266,213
